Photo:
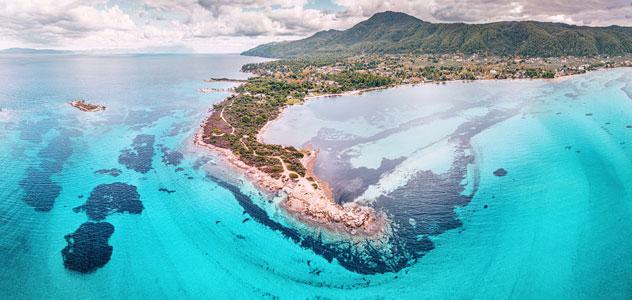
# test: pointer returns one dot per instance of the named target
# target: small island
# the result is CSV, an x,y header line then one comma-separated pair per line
x,y
82,105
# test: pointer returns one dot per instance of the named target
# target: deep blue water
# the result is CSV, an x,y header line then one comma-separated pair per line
x,y
117,204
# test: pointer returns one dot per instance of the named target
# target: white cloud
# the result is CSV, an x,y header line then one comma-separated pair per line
x,y
234,25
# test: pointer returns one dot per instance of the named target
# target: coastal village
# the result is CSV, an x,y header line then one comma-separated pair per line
x,y
437,68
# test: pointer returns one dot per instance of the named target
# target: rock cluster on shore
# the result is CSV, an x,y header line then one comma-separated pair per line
x,y
310,201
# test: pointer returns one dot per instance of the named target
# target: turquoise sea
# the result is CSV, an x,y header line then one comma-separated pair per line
x,y
497,189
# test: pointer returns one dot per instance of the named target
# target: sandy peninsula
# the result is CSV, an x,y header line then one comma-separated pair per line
x,y
307,199
232,130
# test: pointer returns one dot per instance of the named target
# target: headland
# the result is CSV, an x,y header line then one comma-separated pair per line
x,y
233,127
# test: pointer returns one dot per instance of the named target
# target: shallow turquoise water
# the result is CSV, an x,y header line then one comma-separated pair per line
x,y
556,225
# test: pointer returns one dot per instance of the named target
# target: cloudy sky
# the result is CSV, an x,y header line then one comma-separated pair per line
x,y
236,25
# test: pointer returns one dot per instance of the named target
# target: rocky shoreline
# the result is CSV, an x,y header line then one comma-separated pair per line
x,y
308,201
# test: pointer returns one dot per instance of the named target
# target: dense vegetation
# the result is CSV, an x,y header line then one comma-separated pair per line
x,y
398,33
260,99
236,121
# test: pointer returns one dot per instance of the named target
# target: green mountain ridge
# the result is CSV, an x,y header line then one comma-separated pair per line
x,y
399,33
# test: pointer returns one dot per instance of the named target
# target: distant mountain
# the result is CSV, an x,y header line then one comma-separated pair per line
x,y
33,51
396,33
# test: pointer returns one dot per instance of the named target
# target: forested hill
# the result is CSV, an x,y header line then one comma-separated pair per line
x,y
397,33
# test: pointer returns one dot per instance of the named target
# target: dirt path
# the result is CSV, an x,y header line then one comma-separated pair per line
x,y
221,115
286,171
